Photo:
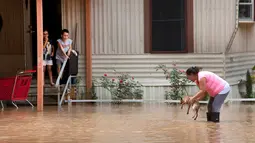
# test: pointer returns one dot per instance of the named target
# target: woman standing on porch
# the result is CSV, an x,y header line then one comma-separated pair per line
x,y
48,53
215,86
64,48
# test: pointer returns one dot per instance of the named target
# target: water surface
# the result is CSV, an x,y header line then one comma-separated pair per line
x,y
132,123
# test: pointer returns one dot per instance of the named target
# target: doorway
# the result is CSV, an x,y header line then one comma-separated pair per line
x,y
51,21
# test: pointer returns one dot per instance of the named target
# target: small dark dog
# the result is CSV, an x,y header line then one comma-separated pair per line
x,y
195,106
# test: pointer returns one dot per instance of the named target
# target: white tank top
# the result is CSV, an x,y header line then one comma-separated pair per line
x,y
66,46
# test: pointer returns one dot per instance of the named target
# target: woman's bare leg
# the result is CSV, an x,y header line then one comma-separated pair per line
x,y
58,69
44,68
58,66
50,74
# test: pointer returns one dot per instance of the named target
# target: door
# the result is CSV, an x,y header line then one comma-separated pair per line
x,y
28,34
51,21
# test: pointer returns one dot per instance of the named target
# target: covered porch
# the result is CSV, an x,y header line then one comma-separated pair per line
x,y
16,36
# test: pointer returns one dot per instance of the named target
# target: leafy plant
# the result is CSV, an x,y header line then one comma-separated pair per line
x,y
206,97
77,83
253,75
177,82
92,91
249,85
253,78
122,87
253,68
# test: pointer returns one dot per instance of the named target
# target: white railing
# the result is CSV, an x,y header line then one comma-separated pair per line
x,y
105,97
61,73
242,99
63,68
67,89
57,85
231,99
154,94
128,100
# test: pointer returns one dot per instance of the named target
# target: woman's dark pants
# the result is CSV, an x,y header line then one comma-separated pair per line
x,y
214,106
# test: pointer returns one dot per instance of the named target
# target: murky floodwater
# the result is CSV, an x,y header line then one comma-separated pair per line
x,y
147,123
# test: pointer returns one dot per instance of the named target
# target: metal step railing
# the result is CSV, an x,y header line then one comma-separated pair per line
x,y
67,89
68,83
61,73
57,85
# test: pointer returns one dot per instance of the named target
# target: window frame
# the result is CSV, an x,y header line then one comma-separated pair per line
x,y
252,12
189,34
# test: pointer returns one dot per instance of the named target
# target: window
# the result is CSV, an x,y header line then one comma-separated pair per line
x,y
246,10
168,26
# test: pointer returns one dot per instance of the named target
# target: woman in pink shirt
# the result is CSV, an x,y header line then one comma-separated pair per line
x,y
215,86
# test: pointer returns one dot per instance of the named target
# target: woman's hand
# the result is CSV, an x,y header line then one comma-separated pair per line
x,y
191,100
201,93
67,57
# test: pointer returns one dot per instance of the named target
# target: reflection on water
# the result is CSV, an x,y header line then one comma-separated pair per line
x,y
136,123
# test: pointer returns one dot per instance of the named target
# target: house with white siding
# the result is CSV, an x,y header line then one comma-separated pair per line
x,y
135,36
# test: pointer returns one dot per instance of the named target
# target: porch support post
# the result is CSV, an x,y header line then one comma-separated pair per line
x,y
40,79
88,48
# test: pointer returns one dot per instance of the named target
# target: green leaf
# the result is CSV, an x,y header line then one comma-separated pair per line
x,y
177,82
253,68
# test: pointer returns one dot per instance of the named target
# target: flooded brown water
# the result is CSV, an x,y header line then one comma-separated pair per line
x,y
144,123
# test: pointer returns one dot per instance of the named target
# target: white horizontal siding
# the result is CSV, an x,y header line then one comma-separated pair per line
x,y
158,92
150,92
238,64
142,67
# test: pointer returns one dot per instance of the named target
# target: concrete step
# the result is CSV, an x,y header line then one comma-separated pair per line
x,y
50,92
33,90
46,80
47,101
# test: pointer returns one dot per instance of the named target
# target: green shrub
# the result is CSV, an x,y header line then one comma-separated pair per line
x,y
177,80
122,87
249,85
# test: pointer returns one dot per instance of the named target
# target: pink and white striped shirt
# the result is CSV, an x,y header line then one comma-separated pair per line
x,y
214,84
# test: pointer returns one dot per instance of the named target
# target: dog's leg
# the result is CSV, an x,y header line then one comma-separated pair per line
x,y
196,117
196,114
181,106
188,109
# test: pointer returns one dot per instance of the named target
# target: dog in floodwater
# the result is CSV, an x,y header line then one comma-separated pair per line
x,y
195,106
